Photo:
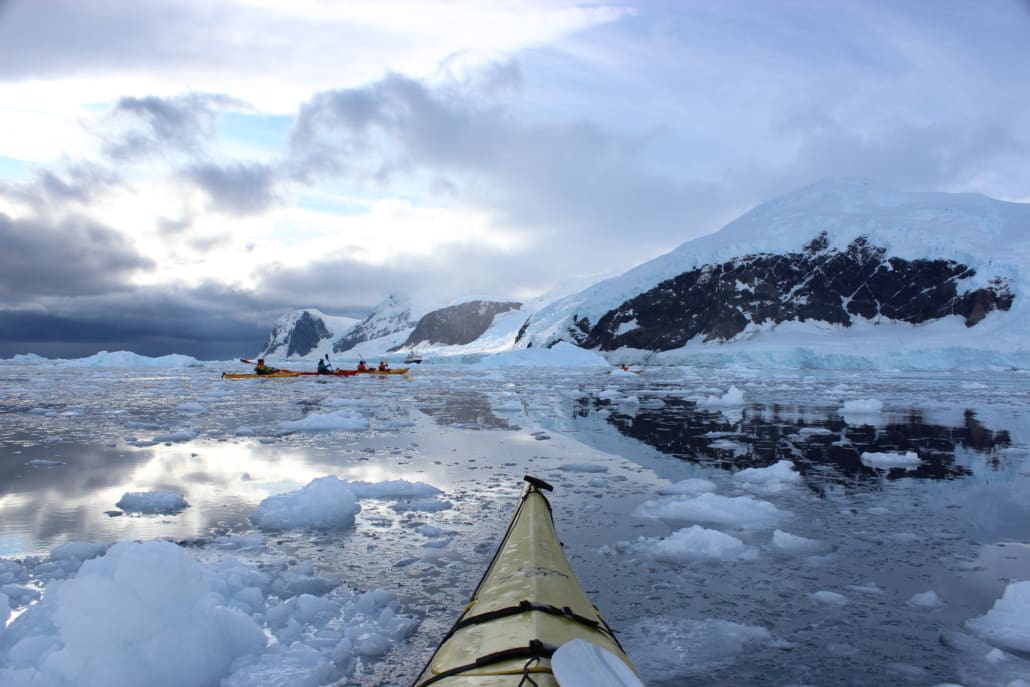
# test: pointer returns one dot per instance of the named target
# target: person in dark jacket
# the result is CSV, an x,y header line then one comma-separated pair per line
x,y
263,369
324,367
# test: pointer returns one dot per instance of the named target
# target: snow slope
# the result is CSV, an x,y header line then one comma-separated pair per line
x,y
989,235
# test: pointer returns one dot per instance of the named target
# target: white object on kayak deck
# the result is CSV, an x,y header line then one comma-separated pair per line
x,y
578,663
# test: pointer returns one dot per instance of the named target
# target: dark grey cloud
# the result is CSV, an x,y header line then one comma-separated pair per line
x,y
137,127
79,183
205,337
71,257
240,188
210,322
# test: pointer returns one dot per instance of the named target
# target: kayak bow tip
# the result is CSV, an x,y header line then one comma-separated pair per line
x,y
538,483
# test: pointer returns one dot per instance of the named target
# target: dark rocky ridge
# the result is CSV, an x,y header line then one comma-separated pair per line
x,y
718,302
304,337
457,325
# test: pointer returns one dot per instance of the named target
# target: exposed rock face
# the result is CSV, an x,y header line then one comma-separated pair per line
x,y
457,325
300,335
391,316
718,302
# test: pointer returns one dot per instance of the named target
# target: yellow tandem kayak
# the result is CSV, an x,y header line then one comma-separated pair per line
x,y
527,605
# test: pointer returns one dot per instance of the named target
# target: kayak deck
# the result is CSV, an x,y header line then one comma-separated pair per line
x,y
527,605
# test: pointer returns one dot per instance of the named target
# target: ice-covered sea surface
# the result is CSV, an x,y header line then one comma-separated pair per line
x,y
165,526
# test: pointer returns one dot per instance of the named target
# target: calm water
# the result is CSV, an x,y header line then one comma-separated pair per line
x,y
73,441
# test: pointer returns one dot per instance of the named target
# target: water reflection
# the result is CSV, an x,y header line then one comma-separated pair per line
x,y
825,445
50,494
462,409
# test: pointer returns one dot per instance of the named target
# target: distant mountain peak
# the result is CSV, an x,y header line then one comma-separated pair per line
x,y
297,333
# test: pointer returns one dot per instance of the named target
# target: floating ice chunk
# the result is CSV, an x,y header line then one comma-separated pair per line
x,y
798,546
175,436
129,359
191,408
582,467
745,512
78,551
862,406
561,355
347,402
298,665
152,502
1007,624
925,600
339,421
508,403
771,479
667,646
814,431
694,485
325,503
140,614
732,397
44,463
421,505
727,445
695,544
392,489
19,593
829,598
908,460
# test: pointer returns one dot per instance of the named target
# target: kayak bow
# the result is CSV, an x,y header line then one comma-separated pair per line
x,y
527,605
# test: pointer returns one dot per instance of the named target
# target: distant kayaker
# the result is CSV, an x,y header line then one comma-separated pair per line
x,y
324,367
383,367
362,367
263,369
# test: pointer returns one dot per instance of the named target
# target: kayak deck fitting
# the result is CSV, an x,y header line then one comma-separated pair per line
x,y
527,605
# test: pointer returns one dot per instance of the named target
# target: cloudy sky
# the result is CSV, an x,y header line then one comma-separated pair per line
x,y
177,174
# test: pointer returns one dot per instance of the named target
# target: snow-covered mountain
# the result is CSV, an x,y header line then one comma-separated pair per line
x,y
843,267
457,325
836,254
393,319
298,333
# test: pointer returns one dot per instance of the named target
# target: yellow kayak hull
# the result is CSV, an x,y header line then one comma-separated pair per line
x,y
254,375
527,605
398,371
